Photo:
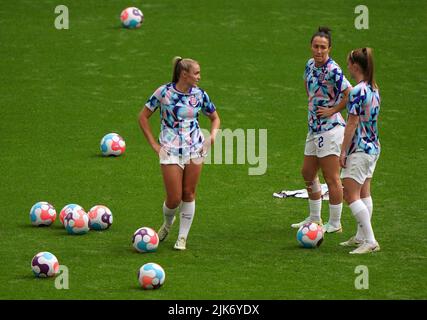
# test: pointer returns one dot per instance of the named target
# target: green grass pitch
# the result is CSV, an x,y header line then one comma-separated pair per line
x,y
62,90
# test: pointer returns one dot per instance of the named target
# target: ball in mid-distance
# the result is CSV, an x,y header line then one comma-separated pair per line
x,y
100,217
45,264
76,222
151,276
112,144
131,18
310,235
145,239
67,209
42,214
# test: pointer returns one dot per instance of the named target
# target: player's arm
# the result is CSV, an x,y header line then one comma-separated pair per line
x,y
215,123
350,129
144,123
326,112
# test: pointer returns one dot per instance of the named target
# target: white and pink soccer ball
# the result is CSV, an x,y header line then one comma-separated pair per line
x,y
45,264
100,217
151,276
42,214
76,222
145,240
112,144
310,235
131,18
67,209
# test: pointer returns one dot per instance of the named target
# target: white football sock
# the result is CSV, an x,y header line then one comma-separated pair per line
x,y
368,203
335,214
361,213
315,209
187,210
168,214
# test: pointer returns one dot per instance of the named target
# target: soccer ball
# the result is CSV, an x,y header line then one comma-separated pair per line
x,y
151,276
131,18
45,264
112,144
67,209
310,235
145,240
100,217
42,214
76,222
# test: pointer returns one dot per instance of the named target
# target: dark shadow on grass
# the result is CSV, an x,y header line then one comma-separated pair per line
x,y
297,248
30,226
100,156
31,277
132,250
97,155
146,292
56,230
28,276
120,27
58,226
54,227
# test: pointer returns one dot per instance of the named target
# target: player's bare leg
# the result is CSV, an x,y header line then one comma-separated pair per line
x,y
352,191
189,183
309,172
331,172
172,178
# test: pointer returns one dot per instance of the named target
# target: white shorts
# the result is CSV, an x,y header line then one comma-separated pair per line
x,y
359,166
182,161
324,144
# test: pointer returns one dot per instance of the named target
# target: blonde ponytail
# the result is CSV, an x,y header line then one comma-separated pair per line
x,y
179,64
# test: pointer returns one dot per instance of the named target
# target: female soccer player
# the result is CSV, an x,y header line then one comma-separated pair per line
x,y
327,91
361,148
181,147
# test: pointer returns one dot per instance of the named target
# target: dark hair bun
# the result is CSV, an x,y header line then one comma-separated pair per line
x,y
325,30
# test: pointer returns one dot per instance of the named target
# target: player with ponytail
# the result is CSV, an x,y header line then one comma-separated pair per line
x,y
181,145
361,148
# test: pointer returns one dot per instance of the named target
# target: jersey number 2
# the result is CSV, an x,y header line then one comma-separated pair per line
x,y
320,144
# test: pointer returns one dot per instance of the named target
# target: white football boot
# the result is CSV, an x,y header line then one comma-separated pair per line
x,y
180,243
164,230
329,228
366,247
352,242
307,220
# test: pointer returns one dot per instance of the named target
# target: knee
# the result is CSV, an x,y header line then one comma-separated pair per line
x,y
347,196
173,202
310,177
188,195
333,181
313,186
307,175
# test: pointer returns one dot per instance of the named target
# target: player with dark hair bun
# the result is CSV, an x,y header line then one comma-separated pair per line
x,y
327,90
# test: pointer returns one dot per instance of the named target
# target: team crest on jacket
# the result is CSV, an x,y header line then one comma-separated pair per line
x,y
193,101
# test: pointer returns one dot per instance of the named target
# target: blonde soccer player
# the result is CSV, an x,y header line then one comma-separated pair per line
x,y
181,145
